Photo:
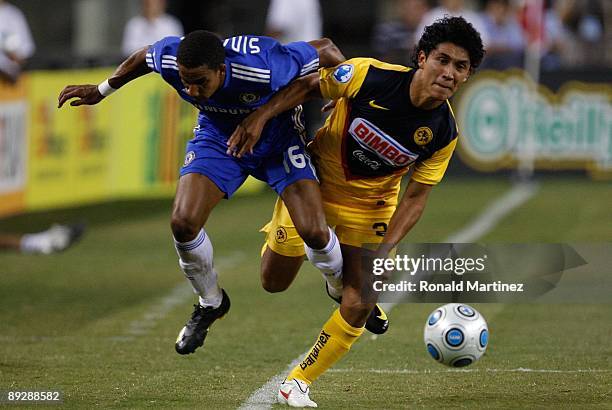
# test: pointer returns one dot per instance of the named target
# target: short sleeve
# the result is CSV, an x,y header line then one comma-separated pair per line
x,y
432,170
159,56
291,61
345,79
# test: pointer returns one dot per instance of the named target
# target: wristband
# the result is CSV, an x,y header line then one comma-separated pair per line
x,y
105,89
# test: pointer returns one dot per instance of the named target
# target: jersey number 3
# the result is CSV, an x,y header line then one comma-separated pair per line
x,y
380,228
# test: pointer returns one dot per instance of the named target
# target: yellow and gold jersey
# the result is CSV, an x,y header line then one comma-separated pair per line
x,y
375,133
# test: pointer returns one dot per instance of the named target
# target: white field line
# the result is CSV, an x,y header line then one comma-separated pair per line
x,y
158,310
517,370
265,396
483,224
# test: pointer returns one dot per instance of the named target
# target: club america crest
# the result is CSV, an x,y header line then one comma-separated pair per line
x,y
281,235
423,136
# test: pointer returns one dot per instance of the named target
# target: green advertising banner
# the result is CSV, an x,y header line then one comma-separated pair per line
x,y
506,119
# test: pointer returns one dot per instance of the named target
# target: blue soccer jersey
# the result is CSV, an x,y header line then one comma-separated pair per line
x,y
256,67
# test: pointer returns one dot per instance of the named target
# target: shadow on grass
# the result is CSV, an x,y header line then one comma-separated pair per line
x,y
95,214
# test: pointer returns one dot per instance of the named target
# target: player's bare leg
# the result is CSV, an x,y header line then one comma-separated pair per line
x,y
357,307
339,333
278,271
353,307
304,203
196,196
12,242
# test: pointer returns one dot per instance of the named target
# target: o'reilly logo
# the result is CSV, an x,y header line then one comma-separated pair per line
x,y
505,117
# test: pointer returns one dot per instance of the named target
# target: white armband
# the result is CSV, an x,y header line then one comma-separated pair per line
x,y
105,89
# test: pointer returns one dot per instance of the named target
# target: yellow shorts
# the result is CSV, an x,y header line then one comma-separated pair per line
x,y
354,227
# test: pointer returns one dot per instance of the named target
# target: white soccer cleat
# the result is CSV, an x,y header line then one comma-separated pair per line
x,y
294,393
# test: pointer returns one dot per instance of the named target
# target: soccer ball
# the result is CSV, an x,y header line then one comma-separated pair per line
x,y
456,335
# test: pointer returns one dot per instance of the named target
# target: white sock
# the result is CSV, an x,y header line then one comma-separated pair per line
x,y
54,239
36,243
196,262
329,261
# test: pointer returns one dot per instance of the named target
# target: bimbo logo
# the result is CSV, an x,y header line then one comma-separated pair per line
x,y
506,119
375,140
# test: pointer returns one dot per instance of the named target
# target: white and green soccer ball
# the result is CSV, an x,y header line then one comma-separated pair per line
x,y
456,335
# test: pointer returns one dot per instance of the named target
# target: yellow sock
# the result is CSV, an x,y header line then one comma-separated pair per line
x,y
333,342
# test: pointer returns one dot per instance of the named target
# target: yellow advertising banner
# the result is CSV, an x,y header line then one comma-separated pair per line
x,y
70,149
13,145
131,144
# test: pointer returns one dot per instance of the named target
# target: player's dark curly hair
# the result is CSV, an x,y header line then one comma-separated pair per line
x,y
454,30
200,48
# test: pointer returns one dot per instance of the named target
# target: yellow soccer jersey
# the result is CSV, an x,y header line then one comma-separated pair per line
x,y
375,134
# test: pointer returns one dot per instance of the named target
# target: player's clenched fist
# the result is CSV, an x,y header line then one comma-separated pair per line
x,y
87,94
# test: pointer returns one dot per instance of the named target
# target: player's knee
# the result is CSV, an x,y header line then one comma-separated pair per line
x,y
273,285
316,237
272,281
278,271
184,228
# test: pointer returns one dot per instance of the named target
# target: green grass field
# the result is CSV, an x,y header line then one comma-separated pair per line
x,y
99,321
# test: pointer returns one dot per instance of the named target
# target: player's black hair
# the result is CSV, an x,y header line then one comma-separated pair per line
x,y
454,30
200,48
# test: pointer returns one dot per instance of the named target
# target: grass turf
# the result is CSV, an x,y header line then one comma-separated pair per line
x,y
98,321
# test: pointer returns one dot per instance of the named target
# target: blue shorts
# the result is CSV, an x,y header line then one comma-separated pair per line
x,y
207,156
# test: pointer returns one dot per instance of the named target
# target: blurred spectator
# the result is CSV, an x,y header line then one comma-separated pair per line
x,y
152,25
16,44
506,46
290,20
541,23
555,38
55,239
583,21
394,41
454,8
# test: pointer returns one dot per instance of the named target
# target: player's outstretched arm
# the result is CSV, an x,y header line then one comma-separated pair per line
x,y
248,132
133,67
406,215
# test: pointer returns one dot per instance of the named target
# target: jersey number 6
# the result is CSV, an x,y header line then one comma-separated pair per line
x,y
297,160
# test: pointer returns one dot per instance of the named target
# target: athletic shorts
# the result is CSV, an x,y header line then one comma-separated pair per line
x,y
207,156
354,227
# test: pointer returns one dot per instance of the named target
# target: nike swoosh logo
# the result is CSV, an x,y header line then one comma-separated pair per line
x,y
374,105
383,315
286,395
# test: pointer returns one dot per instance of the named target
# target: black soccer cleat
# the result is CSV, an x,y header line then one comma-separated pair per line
x,y
193,334
377,322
